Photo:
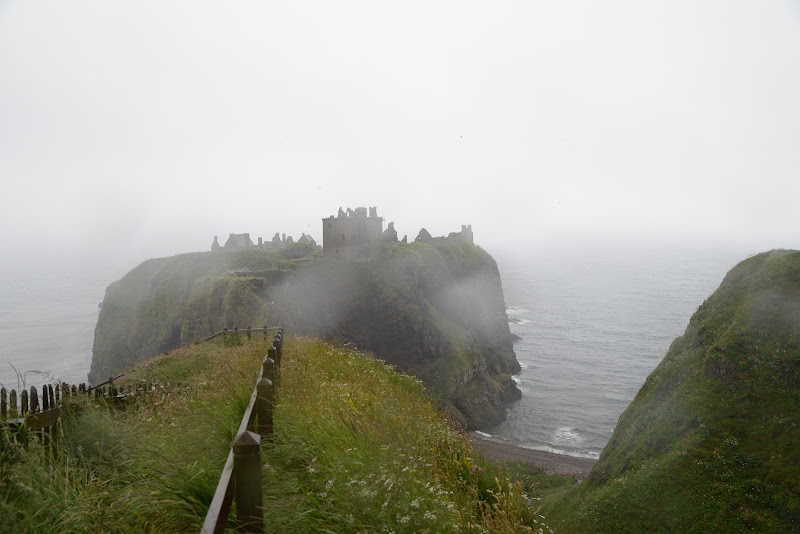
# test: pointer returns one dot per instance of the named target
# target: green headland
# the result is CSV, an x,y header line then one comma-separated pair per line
x,y
434,310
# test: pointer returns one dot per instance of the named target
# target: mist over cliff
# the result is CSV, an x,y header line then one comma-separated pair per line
x,y
435,311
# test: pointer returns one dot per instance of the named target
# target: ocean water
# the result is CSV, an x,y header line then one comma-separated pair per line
x,y
47,321
593,326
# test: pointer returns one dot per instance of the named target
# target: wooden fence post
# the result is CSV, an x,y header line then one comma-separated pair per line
x,y
268,368
279,344
247,473
34,400
248,332
272,354
12,403
3,403
265,401
24,402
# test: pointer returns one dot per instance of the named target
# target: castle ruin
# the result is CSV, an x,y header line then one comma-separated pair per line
x,y
352,234
243,241
355,234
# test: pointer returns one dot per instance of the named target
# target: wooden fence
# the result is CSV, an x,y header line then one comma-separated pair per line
x,y
241,475
30,412
248,331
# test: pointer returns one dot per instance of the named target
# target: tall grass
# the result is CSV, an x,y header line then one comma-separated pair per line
x,y
360,448
357,448
152,468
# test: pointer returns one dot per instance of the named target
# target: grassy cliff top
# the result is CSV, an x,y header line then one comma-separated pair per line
x,y
358,447
711,443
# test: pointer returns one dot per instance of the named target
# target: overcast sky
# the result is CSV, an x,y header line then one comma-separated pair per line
x,y
146,128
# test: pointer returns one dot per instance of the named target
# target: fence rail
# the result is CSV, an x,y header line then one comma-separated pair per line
x,y
42,415
248,331
241,475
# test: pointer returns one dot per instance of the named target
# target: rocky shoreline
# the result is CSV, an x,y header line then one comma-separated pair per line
x,y
551,463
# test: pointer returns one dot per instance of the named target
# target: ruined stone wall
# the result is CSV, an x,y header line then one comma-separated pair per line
x,y
351,236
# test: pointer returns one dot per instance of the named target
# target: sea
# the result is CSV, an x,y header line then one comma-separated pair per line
x,y
47,321
592,325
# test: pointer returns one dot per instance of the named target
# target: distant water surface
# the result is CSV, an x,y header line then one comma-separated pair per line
x,y
593,327
47,321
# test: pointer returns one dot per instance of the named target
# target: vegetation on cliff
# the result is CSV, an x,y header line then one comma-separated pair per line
x,y
152,468
711,442
435,311
357,447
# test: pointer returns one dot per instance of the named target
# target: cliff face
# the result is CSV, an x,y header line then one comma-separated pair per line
x,y
711,443
435,312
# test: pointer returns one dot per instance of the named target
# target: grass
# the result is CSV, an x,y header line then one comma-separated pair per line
x,y
152,468
357,448
360,448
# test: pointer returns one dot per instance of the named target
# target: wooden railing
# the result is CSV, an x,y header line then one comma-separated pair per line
x,y
28,412
248,331
241,475
42,415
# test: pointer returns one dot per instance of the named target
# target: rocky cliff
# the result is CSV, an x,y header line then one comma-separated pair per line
x,y
434,311
711,443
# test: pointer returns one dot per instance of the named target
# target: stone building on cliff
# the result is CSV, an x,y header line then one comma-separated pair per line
x,y
243,241
352,234
349,235
357,234
464,236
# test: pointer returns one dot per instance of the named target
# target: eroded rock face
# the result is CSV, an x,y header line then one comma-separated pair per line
x,y
435,312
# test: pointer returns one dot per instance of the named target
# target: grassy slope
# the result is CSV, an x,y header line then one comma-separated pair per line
x,y
711,443
360,448
152,468
357,448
